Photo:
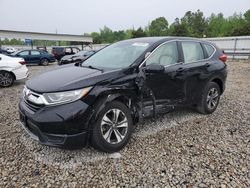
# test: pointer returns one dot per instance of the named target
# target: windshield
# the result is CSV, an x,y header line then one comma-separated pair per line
x,y
118,55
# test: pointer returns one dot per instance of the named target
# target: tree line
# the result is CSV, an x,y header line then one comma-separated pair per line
x,y
192,24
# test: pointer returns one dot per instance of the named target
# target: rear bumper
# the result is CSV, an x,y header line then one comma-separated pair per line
x,y
21,73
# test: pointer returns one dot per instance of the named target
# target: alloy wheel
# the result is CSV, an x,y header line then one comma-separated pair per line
x,y
5,79
212,98
114,126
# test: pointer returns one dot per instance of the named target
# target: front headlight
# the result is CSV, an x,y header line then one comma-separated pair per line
x,y
65,97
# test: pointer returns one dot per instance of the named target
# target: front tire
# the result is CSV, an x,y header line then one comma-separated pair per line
x,y
210,99
113,128
6,79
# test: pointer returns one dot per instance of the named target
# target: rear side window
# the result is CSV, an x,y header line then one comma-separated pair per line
x,y
209,49
34,53
192,51
58,50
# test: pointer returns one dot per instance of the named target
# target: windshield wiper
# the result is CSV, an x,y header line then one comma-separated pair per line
x,y
91,67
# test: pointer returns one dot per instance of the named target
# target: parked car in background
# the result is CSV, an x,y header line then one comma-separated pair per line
x,y
35,57
100,100
10,50
78,57
42,48
60,51
11,69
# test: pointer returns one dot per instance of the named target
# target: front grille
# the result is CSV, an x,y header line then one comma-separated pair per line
x,y
33,107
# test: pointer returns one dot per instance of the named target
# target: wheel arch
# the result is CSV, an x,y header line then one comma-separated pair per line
x,y
105,98
220,84
14,76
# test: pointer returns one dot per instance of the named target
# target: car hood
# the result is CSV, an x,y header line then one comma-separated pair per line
x,y
66,78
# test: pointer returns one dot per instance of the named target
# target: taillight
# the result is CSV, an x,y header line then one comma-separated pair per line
x,y
223,58
22,62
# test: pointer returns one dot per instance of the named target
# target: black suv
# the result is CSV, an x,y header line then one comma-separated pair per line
x,y
60,51
100,100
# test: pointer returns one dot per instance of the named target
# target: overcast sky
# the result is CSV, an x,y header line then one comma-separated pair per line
x,y
84,16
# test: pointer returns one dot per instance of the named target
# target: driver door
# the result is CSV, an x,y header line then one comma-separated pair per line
x,y
168,85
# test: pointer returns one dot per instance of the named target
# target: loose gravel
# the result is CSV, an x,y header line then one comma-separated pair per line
x,y
179,149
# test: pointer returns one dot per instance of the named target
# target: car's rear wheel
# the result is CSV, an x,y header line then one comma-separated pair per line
x,y
113,128
210,99
6,79
44,62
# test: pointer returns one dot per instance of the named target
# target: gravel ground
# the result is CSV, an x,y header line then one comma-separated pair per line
x,y
180,149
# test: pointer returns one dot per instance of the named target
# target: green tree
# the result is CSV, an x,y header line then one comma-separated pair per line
x,y
96,38
218,26
178,29
138,33
106,35
158,27
119,35
196,23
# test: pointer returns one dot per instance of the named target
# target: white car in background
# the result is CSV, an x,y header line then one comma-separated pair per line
x,y
11,69
10,50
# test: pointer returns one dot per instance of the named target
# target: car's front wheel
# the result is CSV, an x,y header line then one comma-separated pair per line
x,y
6,79
113,128
210,99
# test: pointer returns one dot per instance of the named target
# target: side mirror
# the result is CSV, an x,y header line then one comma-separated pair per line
x,y
155,68
0,58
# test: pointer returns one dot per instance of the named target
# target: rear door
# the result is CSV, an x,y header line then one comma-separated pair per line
x,y
35,56
195,69
168,86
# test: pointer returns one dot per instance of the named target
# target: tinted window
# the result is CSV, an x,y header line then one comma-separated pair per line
x,y
166,54
58,50
209,49
34,53
24,53
192,51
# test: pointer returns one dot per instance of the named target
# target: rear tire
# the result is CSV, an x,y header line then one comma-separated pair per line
x,y
113,128
44,62
6,79
210,99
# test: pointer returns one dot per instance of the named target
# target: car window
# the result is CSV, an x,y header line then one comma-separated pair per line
x,y
68,50
118,55
209,49
24,53
166,54
34,52
192,51
58,50
75,50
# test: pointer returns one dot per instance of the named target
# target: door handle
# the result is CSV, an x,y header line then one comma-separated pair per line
x,y
180,69
207,64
